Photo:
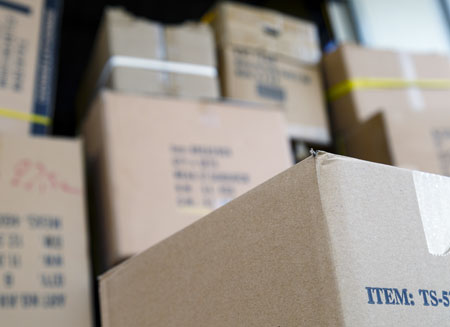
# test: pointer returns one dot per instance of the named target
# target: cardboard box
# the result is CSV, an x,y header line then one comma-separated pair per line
x,y
44,263
242,25
158,165
415,140
29,32
133,54
267,57
365,81
332,241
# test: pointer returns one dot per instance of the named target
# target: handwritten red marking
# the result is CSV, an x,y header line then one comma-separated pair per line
x,y
34,175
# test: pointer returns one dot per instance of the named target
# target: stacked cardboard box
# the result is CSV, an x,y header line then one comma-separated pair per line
x,y
389,107
136,55
416,140
44,262
332,241
156,165
28,47
267,57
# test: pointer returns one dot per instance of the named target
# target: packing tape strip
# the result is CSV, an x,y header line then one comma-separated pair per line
x,y
32,118
433,197
209,17
153,64
345,87
415,96
198,211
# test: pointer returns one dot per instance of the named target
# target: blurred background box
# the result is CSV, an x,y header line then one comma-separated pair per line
x,y
364,81
156,165
408,139
238,24
133,54
44,262
29,31
271,58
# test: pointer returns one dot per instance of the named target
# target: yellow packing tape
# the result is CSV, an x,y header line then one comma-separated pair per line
x,y
33,118
208,17
199,211
345,87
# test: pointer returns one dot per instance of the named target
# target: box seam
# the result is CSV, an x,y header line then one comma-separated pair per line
x,y
318,158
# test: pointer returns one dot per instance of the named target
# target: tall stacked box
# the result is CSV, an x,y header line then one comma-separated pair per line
x,y
267,57
364,81
390,107
28,49
133,54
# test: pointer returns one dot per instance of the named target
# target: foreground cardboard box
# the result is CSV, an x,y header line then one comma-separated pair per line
x,y
365,81
156,165
133,54
332,241
267,57
29,32
415,140
44,274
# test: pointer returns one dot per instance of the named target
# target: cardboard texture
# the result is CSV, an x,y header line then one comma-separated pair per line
x,y
414,140
44,264
260,28
267,57
355,63
124,35
28,48
332,241
158,165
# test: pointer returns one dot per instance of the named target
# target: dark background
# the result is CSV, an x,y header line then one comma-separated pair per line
x,y
81,19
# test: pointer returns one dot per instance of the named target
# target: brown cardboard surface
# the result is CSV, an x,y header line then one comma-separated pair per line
x,y
191,43
161,164
270,58
414,140
122,34
368,141
238,24
350,62
260,77
44,264
332,241
21,30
